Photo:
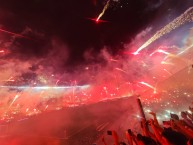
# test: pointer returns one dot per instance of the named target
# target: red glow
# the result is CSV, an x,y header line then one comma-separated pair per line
x,y
133,53
96,20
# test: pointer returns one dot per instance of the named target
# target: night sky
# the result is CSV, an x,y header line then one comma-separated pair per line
x,y
51,23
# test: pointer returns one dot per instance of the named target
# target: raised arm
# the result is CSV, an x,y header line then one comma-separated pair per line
x,y
115,137
154,118
186,131
156,131
129,137
103,140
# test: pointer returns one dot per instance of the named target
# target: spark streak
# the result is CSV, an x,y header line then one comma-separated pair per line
x,y
121,70
103,11
187,16
16,96
167,71
185,50
148,85
168,63
152,53
162,51
12,33
10,80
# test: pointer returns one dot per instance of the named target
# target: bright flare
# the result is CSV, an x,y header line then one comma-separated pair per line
x,y
187,16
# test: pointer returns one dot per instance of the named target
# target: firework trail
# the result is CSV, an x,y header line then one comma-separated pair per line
x,y
167,71
104,9
185,49
15,98
164,52
148,85
168,63
152,53
121,70
15,34
187,16
160,50
11,79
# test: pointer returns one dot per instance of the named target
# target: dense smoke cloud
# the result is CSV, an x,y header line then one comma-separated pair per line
x,y
94,62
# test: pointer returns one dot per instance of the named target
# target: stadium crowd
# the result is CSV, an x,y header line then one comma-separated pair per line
x,y
176,131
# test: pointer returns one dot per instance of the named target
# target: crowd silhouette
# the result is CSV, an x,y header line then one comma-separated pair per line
x,y
175,131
